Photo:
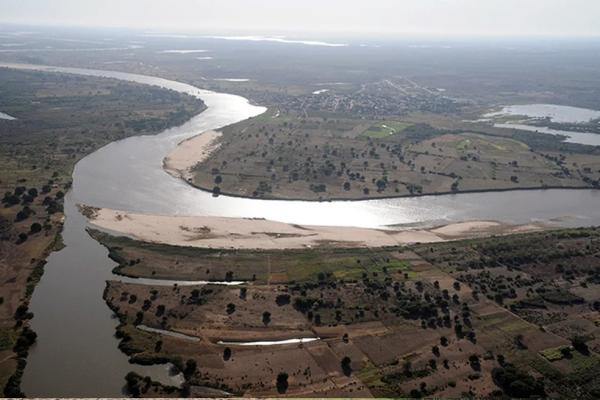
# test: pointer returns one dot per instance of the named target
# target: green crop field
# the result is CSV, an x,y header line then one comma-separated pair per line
x,y
386,129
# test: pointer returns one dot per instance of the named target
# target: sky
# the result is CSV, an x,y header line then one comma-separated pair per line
x,y
374,17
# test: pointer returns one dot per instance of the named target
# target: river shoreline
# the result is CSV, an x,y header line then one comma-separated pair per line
x,y
69,304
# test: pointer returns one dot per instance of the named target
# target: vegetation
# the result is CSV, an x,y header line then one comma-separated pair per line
x,y
53,114
427,320
318,157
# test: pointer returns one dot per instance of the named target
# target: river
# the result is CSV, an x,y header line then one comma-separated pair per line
x,y
76,354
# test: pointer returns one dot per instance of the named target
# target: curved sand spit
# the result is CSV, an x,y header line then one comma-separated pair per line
x,y
181,161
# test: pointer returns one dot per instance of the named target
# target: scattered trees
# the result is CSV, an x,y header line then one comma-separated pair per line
x,y
516,383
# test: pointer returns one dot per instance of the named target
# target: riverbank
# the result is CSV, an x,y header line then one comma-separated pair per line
x,y
181,161
243,233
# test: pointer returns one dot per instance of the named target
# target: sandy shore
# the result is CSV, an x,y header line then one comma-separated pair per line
x,y
237,233
189,153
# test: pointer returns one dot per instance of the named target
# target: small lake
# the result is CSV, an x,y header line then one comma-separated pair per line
x,y
556,113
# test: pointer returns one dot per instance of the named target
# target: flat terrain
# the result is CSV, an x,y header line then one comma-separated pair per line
x,y
515,314
60,119
297,156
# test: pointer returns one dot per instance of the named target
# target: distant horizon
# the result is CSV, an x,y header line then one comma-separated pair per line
x,y
381,18
187,33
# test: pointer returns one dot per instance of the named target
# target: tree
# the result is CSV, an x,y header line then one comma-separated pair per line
x,y
433,364
266,317
282,382
317,319
35,228
216,191
346,366
190,368
519,342
226,353
282,299
22,238
230,308
160,310
133,384
444,341
566,352
474,361
579,344
407,369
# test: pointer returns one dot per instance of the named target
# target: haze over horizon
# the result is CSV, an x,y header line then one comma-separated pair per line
x,y
508,18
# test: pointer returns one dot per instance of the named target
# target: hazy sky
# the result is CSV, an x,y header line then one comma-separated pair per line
x,y
455,17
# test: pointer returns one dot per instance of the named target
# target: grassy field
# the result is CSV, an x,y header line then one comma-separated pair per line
x,y
60,119
446,320
385,129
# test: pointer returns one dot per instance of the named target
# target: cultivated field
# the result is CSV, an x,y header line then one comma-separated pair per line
x,y
516,315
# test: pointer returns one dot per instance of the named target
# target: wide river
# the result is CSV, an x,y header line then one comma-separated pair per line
x,y
76,353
